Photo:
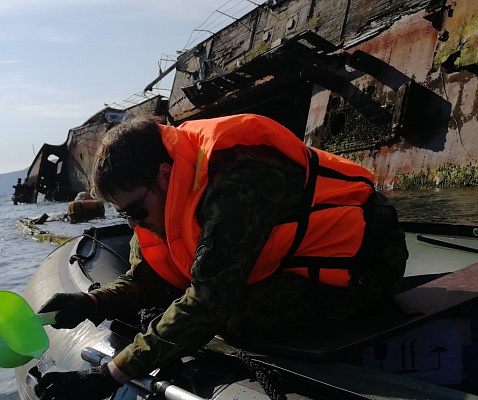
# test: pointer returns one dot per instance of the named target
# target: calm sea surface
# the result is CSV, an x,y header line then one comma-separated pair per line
x,y
20,254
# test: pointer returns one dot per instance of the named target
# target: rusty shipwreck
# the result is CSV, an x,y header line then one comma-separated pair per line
x,y
391,85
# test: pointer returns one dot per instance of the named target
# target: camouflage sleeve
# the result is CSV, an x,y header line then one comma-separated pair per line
x,y
241,205
140,287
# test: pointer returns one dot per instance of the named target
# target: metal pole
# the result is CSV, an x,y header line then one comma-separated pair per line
x,y
149,384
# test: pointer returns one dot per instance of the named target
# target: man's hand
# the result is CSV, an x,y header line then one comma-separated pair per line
x,y
74,308
92,384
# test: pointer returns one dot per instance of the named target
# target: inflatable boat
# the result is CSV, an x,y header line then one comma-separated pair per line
x,y
423,349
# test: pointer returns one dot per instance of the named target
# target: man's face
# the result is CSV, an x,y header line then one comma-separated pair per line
x,y
144,206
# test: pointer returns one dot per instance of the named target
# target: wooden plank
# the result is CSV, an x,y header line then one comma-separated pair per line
x,y
441,295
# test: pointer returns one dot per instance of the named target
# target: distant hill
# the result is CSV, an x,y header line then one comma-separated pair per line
x,y
8,180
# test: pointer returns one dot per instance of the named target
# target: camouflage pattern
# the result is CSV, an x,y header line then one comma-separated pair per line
x,y
249,192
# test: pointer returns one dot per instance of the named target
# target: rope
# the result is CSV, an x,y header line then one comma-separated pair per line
x,y
262,375
79,258
105,246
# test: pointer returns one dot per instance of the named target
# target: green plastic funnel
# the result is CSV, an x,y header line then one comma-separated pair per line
x,y
22,336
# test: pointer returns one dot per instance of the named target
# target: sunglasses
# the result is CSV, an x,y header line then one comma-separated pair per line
x,y
135,210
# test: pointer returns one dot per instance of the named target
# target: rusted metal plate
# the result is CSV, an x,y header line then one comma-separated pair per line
x,y
408,46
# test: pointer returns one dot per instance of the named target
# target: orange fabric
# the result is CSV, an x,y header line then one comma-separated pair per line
x,y
333,232
332,277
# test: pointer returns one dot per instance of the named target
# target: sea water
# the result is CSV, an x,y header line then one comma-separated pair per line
x,y
450,205
20,254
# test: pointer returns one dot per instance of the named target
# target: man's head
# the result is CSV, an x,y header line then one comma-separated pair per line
x,y
129,156
132,170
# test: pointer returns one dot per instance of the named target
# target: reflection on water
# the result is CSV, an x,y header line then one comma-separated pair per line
x,y
451,205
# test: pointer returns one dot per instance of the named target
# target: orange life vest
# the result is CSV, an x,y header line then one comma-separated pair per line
x,y
322,243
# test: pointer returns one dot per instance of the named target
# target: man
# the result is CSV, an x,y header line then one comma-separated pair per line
x,y
252,230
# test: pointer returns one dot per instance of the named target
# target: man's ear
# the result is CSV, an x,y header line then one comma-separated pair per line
x,y
164,175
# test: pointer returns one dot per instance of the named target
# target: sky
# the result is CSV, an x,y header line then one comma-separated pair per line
x,y
62,61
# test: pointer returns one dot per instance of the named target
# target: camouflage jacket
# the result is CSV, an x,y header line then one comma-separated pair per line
x,y
250,190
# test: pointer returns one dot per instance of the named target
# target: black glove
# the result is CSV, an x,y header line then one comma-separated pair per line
x,y
74,308
91,384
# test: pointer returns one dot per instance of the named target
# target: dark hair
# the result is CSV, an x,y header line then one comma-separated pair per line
x,y
128,157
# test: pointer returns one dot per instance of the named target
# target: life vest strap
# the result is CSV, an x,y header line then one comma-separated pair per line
x,y
320,207
306,203
331,173
315,262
